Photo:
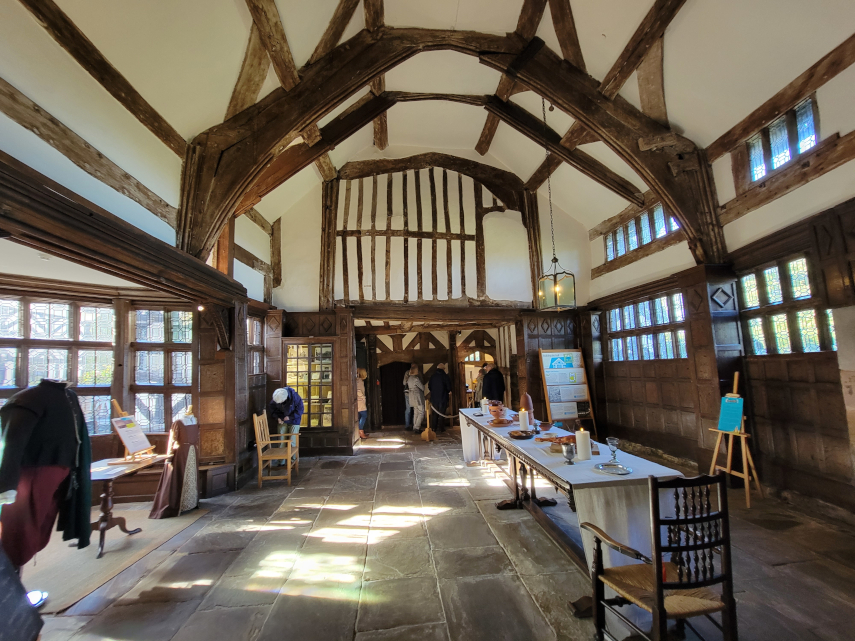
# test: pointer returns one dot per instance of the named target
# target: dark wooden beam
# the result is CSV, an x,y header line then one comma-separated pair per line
x,y
251,260
224,253
375,18
337,24
437,327
253,71
255,216
838,59
32,117
276,252
651,83
654,246
265,16
441,312
70,38
630,212
565,30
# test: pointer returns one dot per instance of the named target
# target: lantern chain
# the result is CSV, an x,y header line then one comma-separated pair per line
x,y
548,180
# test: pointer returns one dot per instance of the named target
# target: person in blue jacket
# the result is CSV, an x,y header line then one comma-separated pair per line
x,y
286,409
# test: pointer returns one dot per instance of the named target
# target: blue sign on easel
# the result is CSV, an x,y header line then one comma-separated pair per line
x,y
730,417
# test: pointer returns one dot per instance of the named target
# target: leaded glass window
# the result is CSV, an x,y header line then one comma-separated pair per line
x,y
779,142
644,222
8,365
799,278
758,337
673,224
620,242
644,317
150,326
782,334
659,221
148,412
829,317
805,126
50,321
631,348
149,370
679,310
610,247
180,402
97,324
647,351
94,367
666,345
617,349
632,235
681,344
755,157
10,319
773,286
182,368
629,317
47,363
614,320
97,412
749,291
808,330
253,331
660,305
181,325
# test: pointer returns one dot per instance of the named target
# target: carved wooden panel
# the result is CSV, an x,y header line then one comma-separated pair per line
x,y
212,377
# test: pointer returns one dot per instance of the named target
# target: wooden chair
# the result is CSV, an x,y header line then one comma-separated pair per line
x,y
276,447
695,540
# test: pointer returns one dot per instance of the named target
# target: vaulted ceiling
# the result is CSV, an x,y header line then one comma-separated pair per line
x,y
720,61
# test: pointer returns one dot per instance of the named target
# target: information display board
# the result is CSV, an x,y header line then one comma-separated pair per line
x,y
133,438
565,385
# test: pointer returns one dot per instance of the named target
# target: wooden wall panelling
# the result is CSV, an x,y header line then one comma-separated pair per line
x,y
216,374
372,384
273,328
344,373
238,399
544,330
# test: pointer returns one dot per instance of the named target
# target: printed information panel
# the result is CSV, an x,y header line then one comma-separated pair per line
x,y
565,385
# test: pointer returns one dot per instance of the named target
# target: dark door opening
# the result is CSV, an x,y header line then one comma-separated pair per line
x,y
392,393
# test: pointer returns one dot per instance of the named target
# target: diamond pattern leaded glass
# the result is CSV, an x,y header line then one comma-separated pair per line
x,y
779,142
749,291
808,330
799,278
8,361
617,349
659,221
644,317
805,126
644,222
10,319
94,367
148,412
96,411
773,285
782,334
666,345
755,156
679,310
620,242
758,337
47,363
647,351
610,247
632,235
681,344
149,370
181,326
97,324
614,320
629,317
49,320
150,328
180,402
182,368
631,349
660,305
673,224
829,317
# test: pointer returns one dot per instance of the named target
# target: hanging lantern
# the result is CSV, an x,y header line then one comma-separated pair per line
x,y
556,287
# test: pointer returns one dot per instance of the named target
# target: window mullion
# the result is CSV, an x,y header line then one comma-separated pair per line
x,y
795,332
792,134
824,332
767,150
771,337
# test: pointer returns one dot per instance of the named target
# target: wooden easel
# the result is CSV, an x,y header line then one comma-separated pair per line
x,y
748,470
137,457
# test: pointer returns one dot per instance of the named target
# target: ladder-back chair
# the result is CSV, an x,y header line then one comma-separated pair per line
x,y
696,541
276,447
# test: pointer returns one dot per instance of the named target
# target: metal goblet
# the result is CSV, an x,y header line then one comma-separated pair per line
x,y
569,450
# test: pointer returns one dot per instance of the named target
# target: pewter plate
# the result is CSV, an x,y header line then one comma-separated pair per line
x,y
613,468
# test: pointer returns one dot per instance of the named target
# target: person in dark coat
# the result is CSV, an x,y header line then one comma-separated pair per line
x,y
285,410
440,390
494,384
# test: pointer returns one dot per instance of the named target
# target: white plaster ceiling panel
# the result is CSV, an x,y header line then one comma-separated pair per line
x,y
252,238
37,66
602,152
441,125
724,59
546,32
443,72
531,102
488,16
435,14
305,21
347,149
281,199
629,92
520,154
271,82
722,170
582,198
835,100
182,57
27,261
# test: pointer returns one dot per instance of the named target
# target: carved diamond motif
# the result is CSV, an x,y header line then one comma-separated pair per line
x,y
595,323
272,323
326,325
532,326
696,300
544,325
721,297
309,325
559,326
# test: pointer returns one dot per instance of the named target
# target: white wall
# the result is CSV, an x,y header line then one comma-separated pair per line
x,y
26,261
659,265
571,246
252,238
506,257
251,279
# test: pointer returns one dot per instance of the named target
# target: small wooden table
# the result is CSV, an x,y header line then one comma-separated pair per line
x,y
106,473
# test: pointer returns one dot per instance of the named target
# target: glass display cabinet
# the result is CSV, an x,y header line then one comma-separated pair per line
x,y
308,368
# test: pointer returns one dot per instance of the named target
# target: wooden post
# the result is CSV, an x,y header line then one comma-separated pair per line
x,y
404,198
462,232
359,242
225,250
389,187
372,384
433,241
374,238
345,276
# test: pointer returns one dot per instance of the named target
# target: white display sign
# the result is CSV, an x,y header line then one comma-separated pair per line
x,y
133,438
562,360
567,393
561,411
572,376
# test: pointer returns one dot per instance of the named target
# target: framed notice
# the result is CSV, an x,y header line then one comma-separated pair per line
x,y
133,438
730,417
565,385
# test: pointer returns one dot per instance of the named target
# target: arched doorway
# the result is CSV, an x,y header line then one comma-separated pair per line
x,y
392,393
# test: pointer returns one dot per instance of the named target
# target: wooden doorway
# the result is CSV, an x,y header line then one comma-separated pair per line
x,y
392,393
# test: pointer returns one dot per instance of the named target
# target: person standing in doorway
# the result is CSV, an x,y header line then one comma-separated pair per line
x,y
494,383
286,409
417,397
408,411
440,392
479,386
361,401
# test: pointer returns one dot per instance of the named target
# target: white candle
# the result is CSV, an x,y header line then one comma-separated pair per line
x,y
583,445
523,420
485,405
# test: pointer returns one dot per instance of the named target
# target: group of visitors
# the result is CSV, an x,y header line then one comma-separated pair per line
x,y
489,384
439,388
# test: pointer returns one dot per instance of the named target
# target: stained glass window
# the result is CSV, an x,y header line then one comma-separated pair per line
x,y
660,305
629,317
758,337
181,324
799,278
749,291
773,285
782,333
49,320
679,310
659,221
610,247
673,224
10,319
148,412
47,363
96,411
150,327
808,330
97,324
681,344
149,370
180,402
253,331
182,368
255,363
644,221
631,348
94,367
8,362
780,143
620,242
632,235
805,126
617,349
666,345
644,318
647,351
614,320
829,317
755,155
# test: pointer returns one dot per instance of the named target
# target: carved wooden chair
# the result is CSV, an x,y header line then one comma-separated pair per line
x,y
276,447
697,543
